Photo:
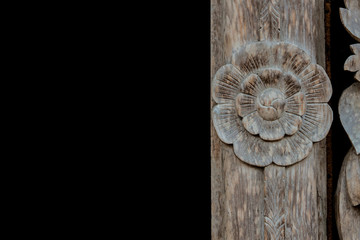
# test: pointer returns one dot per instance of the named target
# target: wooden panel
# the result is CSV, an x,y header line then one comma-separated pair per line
x,y
273,202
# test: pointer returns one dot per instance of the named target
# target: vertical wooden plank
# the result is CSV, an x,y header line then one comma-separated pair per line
x,y
301,221
306,196
217,175
243,202
321,187
236,187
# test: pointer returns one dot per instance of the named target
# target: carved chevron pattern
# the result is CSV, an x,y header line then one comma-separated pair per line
x,y
274,202
270,20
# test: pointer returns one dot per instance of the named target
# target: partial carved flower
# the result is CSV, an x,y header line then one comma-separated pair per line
x,y
352,64
272,103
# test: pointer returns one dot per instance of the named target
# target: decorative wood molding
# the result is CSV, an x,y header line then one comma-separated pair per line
x,y
350,18
348,190
270,20
349,110
352,64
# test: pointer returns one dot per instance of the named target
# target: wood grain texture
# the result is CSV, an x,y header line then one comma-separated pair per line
x,y
347,215
241,193
306,218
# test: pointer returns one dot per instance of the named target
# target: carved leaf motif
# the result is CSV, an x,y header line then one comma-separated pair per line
x,y
270,20
352,64
349,110
351,18
275,213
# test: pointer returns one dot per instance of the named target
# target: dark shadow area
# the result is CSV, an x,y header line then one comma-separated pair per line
x,y
339,50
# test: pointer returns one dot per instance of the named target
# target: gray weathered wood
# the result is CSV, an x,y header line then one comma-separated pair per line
x,y
350,17
352,64
287,200
275,206
349,110
348,190
346,198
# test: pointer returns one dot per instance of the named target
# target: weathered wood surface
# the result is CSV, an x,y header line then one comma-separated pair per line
x,y
273,202
349,110
352,64
347,197
272,103
350,17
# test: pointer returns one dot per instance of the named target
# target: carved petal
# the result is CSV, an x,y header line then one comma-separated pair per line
x,y
352,4
351,21
226,84
245,104
271,130
295,148
290,123
352,64
270,77
296,104
252,85
357,76
316,83
355,48
227,123
253,150
287,151
252,56
290,85
353,178
252,123
317,121
349,110
290,58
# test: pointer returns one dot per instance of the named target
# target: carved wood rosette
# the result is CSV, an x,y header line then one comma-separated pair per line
x,y
347,204
270,112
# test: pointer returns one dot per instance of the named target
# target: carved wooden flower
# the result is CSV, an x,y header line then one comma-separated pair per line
x,y
352,64
272,103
